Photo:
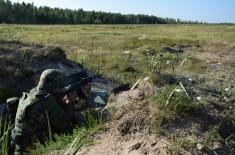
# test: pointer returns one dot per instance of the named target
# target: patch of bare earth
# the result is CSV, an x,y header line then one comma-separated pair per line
x,y
137,144
129,132
219,62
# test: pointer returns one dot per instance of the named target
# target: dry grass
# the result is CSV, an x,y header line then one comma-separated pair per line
x,y
200,68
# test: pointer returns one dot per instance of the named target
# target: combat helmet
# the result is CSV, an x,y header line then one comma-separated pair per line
x,y
52,80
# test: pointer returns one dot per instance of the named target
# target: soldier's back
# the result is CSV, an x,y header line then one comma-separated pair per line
x,y
38,112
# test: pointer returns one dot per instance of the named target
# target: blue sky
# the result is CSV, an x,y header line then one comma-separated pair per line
x,y
200,10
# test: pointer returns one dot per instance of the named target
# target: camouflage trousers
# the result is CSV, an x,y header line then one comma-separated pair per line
x,y
21,144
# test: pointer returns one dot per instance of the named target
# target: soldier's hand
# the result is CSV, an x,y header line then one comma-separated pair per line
x,y
71,97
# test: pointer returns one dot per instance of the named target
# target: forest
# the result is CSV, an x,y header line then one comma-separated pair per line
x,y
28,13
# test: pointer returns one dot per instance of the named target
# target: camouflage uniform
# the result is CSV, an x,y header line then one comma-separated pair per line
x,y
8,110
7,117
38,111
12,104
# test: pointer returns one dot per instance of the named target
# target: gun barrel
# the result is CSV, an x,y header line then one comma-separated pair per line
x,y
74,77
78,84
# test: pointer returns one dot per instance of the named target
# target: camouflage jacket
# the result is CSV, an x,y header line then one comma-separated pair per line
x,y
37,111
8,110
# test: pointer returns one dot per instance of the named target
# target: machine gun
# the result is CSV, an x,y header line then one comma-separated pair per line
x,y
77,80
98,95
77,77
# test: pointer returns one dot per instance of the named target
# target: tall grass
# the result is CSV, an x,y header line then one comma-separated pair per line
x,y
4,135
71,143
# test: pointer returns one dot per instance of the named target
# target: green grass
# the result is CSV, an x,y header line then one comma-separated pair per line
x,y
69,144
101,49
174,102
81,137
4,135
99,35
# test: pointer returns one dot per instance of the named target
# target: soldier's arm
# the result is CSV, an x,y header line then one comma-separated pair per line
x,y
58,118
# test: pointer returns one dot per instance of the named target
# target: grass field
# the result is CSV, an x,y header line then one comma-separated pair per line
x,y
102,47
117,36
198,59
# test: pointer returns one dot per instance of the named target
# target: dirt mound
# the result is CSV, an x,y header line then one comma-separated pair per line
x,y
21,65
133,127
130,131
132,109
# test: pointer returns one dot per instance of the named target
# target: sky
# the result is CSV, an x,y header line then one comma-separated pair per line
x,y
212,11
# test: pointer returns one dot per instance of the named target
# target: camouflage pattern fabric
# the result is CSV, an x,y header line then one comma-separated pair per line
x,y
38,111
52,80
8,110
12,104
35,110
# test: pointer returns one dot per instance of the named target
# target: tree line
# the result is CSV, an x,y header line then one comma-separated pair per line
x,y
27,13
